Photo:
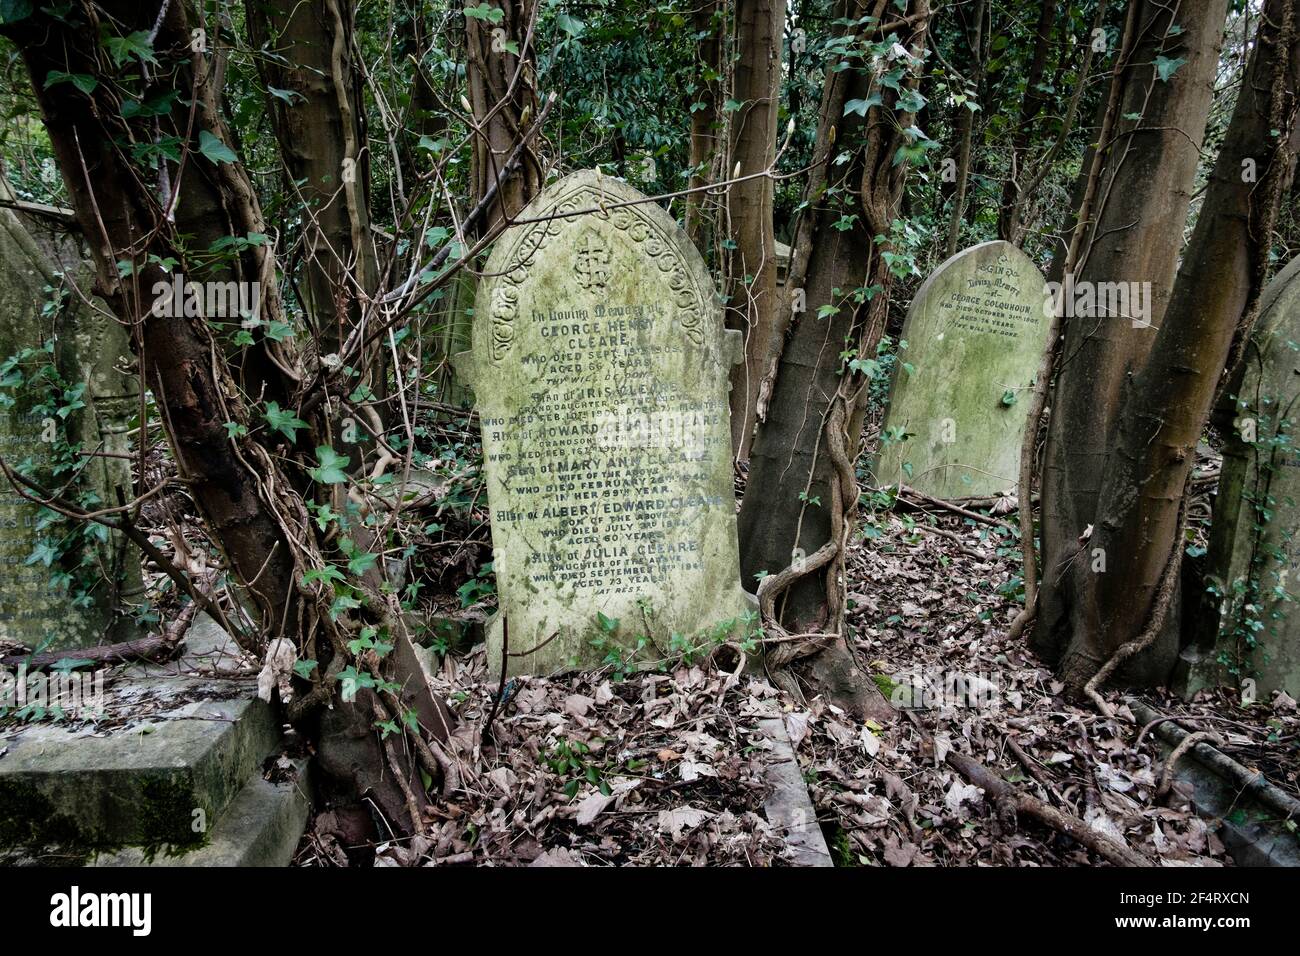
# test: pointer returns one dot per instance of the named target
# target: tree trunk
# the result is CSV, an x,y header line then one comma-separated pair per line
x,y
503,98
750,267
1166,404
1131,232
706,20
966,129
1010,215
307,51
801,497
249,495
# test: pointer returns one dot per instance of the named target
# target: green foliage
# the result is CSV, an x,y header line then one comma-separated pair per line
x,y
33,384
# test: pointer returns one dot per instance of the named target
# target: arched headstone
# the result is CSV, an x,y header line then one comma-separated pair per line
x,y
975,334
599,368
1253,562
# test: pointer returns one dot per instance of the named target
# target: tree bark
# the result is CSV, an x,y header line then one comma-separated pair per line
x,y
1010,215
1168,401
1131,232
706,20
801,497
750,266
966,129
502,98
307,51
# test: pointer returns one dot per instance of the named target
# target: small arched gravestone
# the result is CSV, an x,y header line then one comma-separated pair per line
x,y
975,334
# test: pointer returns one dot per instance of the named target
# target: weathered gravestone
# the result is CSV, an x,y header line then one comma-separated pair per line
x,y
599,367
975,334
1253,564
38,604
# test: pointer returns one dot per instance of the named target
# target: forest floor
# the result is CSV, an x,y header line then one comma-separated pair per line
x,y
666,767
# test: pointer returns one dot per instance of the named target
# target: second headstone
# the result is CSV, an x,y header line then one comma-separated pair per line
x,y
975,333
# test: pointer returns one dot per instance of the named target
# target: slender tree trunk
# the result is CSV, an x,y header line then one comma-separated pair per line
x,y
502,97
1166,404
1009,216
307,51
750,267
802,495
966,128
706,19
1131,232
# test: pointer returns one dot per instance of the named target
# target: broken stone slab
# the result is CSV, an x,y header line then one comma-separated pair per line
x,y
1252,815
789,806
261,827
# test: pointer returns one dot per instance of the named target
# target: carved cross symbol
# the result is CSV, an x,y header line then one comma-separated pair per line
x,y
593,263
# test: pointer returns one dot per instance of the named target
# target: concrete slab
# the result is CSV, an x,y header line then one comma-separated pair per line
x,y
149,782
261,827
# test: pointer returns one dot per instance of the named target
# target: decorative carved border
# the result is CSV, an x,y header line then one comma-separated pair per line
x,y
660,246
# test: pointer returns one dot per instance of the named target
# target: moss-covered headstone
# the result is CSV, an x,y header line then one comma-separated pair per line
x,y
62,395
599,367
1253,564
975,334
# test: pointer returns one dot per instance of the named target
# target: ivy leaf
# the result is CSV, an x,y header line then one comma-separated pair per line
x,y
1165,67
286,95
135,44
283,420
342,603
82,81
860,107
362,562
158,106
433,145
327,573
235,430
304,667
912,102
330,471
484,12
11,11
214,149
278,331
45,553
570,25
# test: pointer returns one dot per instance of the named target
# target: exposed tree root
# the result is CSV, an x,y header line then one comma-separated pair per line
x,y
1187,743
1159,611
